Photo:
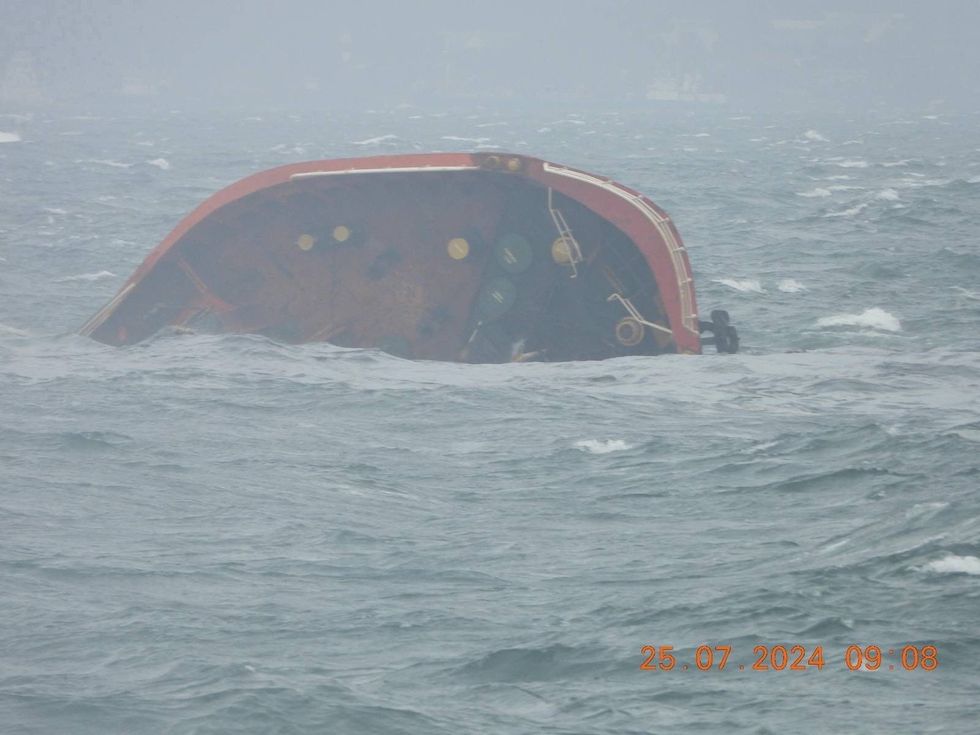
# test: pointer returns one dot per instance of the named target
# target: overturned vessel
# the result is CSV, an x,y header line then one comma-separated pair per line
x,y
482,257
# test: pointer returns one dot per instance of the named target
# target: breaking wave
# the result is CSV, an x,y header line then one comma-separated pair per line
x,y
596,446
817,192
161,163
857,209
105,162
953,564
375,141
745,285
9,137
873,318
86,277
791,285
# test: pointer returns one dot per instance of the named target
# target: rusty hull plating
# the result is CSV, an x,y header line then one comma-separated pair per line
x,y
448,256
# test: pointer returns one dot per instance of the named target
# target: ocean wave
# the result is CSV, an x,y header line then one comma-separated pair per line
x,y
888,195
14,331
375,141
874,318
460,139
791,285
86,277
817,192
9,137
746,285
161,163
105,162
850,212
853,163
815,136
953,564
597,446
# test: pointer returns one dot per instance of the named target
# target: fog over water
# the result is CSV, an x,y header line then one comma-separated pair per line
x,y
778,55
222,533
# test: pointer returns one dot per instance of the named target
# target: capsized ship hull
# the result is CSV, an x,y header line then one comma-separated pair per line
x,y
446,256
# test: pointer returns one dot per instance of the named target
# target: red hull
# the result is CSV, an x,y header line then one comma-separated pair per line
x,y
354,251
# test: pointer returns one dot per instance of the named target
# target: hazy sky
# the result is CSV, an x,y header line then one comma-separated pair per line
x,y
782,55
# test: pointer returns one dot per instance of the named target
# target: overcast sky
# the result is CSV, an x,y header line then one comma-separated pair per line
x,y
304,53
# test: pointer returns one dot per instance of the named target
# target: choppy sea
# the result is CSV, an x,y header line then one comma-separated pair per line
x,y
215,534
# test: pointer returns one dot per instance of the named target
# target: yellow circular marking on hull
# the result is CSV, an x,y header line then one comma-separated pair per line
x,y
458,248
341,233
306,241
560,252
514,165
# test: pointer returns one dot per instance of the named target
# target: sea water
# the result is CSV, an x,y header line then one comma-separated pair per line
x,y
212,534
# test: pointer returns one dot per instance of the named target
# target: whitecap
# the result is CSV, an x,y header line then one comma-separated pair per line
x,y
873,318
743,284
973,180
375,141
855,163
815,136
105,162
953,564
888,195
848,212
87,277
4,329
817,192
791,285
893,164
596,446
161,163
465,140
9,137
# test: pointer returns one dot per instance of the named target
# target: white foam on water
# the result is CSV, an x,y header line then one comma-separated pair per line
x,y
745,285
55,210
161,163
465,140
104,162
837,177
953,564
375,141
854,163
857,209
973,180
86,277
791,285
893,164
815,135
817,192
493,124
888,195
873,318
5,329
597,446
9,137
701,135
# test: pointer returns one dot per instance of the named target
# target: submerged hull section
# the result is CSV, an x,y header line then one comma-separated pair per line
x,y
460,257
